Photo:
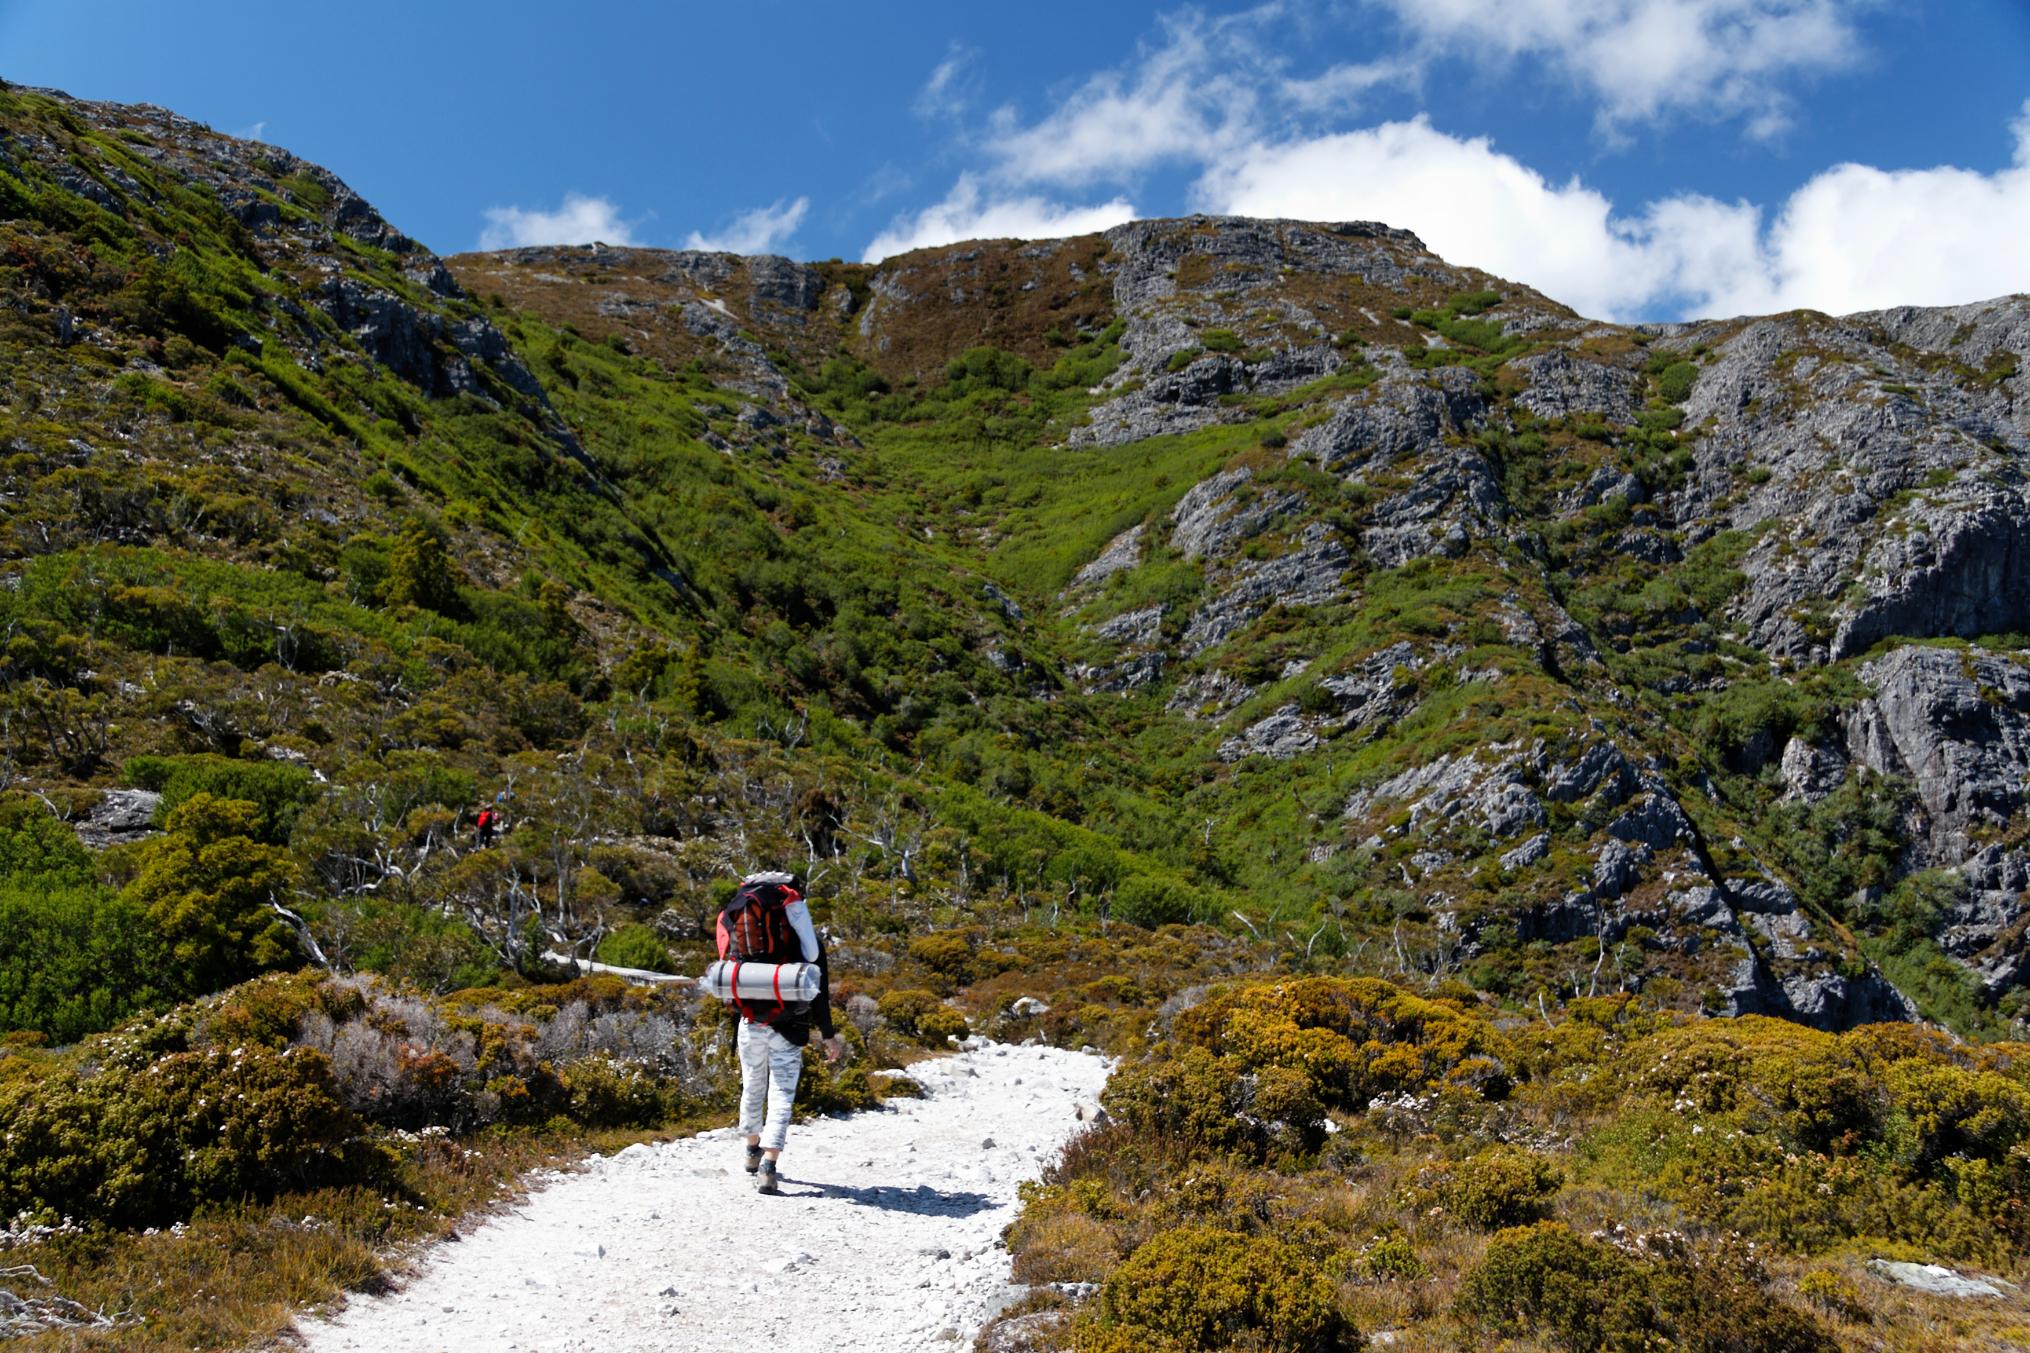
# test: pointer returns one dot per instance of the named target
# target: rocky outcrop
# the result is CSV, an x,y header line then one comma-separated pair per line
x,y
1956,726
1402,415
1454,502
1173,280
1214,518
1560,384
1122,553
1882,458
1309,575
120,816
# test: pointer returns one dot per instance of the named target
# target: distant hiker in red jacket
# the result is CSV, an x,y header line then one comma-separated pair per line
x,y
768,922
483,829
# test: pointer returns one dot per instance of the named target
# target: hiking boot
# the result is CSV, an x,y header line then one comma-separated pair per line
x,y
753,1159
765,1181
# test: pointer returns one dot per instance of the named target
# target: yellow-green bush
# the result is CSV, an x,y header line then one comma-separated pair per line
x,y
136,1147
1355,1038
1201,1287
1808,1138
1545,1281
1574,1292
1194,1098
1830,1290
921,1015
1497,1188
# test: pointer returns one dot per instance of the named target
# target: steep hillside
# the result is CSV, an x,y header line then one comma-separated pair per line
x,y
1506,633
1091,620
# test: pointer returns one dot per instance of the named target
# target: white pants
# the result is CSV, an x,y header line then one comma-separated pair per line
x,y
770,1066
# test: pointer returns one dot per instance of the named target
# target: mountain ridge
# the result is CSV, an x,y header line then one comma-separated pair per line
x,y
1342,403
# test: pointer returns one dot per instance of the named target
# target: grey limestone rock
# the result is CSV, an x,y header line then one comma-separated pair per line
x,y
1956,725
1134,627
1941,1281
1528,853
1170,277
120,816
1495,797
1881,457
1280,736
1404,414
1307,576
1810,773
1562,385
792,288
1219,513
1123,552
1208,694
1456,500
1601,767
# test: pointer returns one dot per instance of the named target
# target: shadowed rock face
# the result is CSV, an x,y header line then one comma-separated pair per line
x,y
1956,726
1891,447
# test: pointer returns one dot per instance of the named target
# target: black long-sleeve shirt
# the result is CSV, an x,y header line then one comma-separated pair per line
x,y
797,1028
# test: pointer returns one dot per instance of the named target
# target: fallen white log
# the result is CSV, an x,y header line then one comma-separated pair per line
x,y
629,974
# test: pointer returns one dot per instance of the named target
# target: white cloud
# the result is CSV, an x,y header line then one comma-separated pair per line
x,y
1861,238
1342,86
580,220
950,87
1851,238
253,131
1181,101
759,231
968,214
1642,58
1232,101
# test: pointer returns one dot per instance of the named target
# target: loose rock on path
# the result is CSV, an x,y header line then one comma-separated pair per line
x,y
885,1238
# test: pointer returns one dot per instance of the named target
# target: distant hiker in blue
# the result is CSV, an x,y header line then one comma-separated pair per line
x,y
768,921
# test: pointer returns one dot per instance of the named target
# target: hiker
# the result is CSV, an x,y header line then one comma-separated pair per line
x,y
768,921
483,827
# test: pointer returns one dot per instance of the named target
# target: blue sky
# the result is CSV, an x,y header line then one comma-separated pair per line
x,y
1636,158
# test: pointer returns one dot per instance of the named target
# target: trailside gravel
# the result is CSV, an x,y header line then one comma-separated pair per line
x,y
886,1238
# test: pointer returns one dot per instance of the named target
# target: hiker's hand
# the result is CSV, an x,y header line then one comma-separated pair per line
x,y
835,1049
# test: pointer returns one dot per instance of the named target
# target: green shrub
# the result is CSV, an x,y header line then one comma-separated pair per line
x,y
987,368
949,956
1544,1281
1390,1258
74,960
1830,1290
279,792
1500,1188
404,941
635,945
1675,382
1220,340
1148,902
1199,1287
35,845
846,1088
139,1147
208,887
922,1016
605,1092
1356,1038
1193,1097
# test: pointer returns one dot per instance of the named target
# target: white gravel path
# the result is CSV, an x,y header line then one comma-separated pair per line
x,y
886,1238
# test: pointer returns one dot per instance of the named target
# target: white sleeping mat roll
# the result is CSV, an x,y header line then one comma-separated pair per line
x,y
761,981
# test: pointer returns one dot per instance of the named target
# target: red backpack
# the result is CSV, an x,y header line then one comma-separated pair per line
x,y
754,928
